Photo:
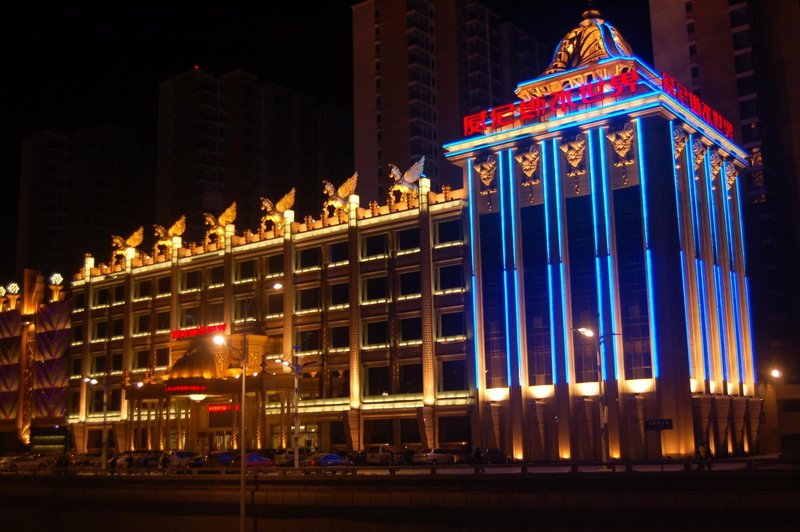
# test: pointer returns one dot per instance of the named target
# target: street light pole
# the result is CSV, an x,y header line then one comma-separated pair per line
x,y
589,333
296,369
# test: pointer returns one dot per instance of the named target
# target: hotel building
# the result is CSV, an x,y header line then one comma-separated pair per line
x,y
583,296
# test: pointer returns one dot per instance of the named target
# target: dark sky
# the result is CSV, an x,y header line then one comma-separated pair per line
x,y
68,68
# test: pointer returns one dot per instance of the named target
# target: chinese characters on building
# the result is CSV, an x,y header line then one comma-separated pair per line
x,y
197,331
562,102
701,109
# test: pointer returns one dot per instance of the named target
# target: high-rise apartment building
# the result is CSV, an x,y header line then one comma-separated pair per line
x,y
741,57
419,66
231,137
75,190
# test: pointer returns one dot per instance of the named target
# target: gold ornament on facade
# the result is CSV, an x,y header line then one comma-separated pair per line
x,y
337,198
529,162
406,183
164,236
120,245
374,209
486,171
699,150
216,226
679,139
587,44
574,152
730,175
274,213
755,157
447,192
622,140
716,164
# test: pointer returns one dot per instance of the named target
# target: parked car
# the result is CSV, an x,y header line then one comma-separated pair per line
x,y
326,459
252,461
218,458
180,458
380,454
433,456
29,462
287,458
490,456
403,456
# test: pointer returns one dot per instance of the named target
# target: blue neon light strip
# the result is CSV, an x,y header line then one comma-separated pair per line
x,y
543,151
681,236
610,261
501,168
514,232
648,254
744,274
718,288
736,300
606,116
597,269
562,269
473,204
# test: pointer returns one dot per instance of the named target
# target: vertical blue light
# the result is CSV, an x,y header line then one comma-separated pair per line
x,y
514,233
601,326
681,236
543,151
719,292
610,262
736,299
743,273
566,326
648,254
473,205
503,245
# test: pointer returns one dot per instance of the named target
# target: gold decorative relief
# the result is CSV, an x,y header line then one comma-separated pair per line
x,y
274,213
730,175
699,150
407,183
164,236
486,171
755,157
337,198
679,139
216,226
120,245
574,152
716,164
621,140
529,161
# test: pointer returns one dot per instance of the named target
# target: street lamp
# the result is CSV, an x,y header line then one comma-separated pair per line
x,y
297,370
589,333
104,453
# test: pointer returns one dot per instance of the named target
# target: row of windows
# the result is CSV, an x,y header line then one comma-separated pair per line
x,y
103,363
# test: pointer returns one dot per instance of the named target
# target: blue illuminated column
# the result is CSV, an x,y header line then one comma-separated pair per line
x,y
475,285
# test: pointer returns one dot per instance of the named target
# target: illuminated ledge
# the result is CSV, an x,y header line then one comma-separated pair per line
x,y
444,245
385,218
636,386
151,267
338,264
98,340
300,354
321,409
375,257
542,391
138,299
458,394
409,343
244,281
241,320
77,343
117,303
448,205
588,389
274,275
459,401
76,310
311,269
408,252
317,232
200,256
375,347
98,418
217,285
190,291
448,339
139,370
161,296
375,302
267,242
74,377
115,338
162,331
307,311
98,307
339,350
273,316
409,296
459,290
339,307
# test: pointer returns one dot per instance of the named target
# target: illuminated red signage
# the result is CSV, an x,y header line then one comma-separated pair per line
x,y
701,110
185,388
222,408
197,331
565,101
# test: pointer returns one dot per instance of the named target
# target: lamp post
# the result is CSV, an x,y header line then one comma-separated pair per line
x,y
104,451
589,333
296,369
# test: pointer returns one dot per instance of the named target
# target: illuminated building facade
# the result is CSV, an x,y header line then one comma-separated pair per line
x,y
586,287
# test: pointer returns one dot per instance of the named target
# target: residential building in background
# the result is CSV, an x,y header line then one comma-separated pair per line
x,y
418,67
230,136
77,189
743,59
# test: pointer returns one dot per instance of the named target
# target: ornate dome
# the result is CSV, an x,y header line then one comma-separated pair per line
x,y
594,39
198,363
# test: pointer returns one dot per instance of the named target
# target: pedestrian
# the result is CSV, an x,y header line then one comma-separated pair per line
x,y
165,463
703,456
477,457
112,465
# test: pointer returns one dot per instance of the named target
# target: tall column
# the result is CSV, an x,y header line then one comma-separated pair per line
x,y
167,407
427,289
355,320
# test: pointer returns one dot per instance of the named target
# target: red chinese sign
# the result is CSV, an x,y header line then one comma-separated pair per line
x,y
185,388
221,408
565,101
699,108
197,331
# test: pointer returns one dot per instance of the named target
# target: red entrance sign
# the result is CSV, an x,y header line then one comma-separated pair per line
x,y
185,388
197,331
221,408
698,107
565,101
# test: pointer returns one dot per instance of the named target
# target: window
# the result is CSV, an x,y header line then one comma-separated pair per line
x,y
189,317
217,275
164,286
309,258
739,17
119,294
339,252
690,28
97,401
741,40
115,399
451,324
142,359
340,294
340,387
163,321
77,366
144,289
374,246
410,378
274,264
743,63
376,333
410,283
450,277
449,231
375,289
215,313
378,380
162,356
340,337
695,72
116,362
100,330
80,300
308,299
748,109
308,341
142,323
190,280
75,402
101,297
245,309
411,329
408,239
246,270
693,50
275,304
745,86
99,363
77,333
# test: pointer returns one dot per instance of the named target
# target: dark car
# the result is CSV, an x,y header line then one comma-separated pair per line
x,y
490,456
402,456
326,459
252,461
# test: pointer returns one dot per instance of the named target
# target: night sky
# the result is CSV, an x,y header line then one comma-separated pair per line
x,y
68,68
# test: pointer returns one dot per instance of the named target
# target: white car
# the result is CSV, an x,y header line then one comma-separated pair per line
x,y
433,456
29,462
